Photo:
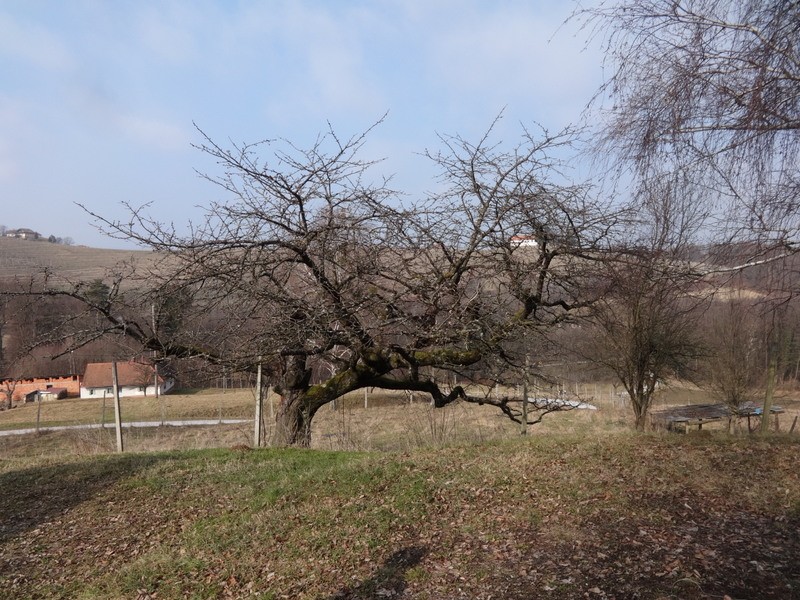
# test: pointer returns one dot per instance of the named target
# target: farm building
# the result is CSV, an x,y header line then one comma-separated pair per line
x,y
133,379
523,241
24,386
24,234
52,393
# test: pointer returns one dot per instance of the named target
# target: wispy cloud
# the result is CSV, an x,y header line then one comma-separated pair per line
x,y
119,83
513,57
169,32
153,132
326,70
12,131
34,44
102,104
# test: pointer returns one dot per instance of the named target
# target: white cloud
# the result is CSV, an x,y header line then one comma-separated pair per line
x,y
168,32
313,59
101,106
338,78
153,132
501,52
34,44
513,57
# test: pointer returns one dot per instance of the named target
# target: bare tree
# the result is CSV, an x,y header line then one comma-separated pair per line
x,y
735,349
707,93
709,89
16,319
311,264
644,327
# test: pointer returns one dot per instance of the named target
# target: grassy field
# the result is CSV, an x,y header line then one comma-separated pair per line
x,y
207,404
391,421
584,515
396,500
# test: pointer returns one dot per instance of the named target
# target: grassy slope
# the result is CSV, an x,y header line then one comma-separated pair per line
x,y
22,258
621,516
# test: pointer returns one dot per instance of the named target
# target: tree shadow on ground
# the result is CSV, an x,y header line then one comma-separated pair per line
x,y
36,495
389,581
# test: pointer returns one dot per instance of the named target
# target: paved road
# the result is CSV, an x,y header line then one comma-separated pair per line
x,y
190,423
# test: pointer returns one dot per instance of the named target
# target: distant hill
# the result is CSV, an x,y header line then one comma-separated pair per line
x,y
22,258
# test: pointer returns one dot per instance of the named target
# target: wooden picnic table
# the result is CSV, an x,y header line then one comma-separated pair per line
x,y
682,418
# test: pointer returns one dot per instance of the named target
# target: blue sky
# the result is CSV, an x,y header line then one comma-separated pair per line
x,y
98,97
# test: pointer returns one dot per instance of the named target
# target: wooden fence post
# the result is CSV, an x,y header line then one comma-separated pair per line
x,y
259,407
38,410
117,414
771,368
524,429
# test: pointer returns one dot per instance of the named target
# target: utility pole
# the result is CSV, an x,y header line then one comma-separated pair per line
x,y
38,410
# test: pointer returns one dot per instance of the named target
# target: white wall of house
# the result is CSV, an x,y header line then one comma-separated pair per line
x,y
127,391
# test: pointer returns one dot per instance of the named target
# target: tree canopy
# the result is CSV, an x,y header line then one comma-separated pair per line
x,y
336,282
707,92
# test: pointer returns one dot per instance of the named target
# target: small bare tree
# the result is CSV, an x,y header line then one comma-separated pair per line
x,y
645,325
644,328
9,385
735,348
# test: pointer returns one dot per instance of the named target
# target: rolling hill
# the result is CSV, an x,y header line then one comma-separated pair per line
x,y
23,258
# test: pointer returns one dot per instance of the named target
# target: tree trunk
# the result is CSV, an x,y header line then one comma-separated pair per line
x,y
300,400
293,420
640,410
771,369
641,420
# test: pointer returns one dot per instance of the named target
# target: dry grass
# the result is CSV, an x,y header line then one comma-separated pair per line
x,y
552,516
389,423
461,505
207,404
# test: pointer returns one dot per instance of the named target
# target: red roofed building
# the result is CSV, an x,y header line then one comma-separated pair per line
x,y
22,387
133,379
523,241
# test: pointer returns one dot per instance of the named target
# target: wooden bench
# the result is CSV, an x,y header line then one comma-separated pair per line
x,y
684,424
